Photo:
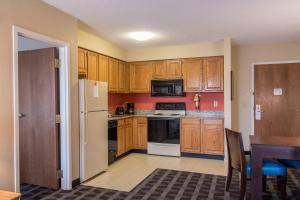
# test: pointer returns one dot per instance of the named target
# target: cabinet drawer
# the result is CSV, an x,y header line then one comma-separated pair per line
x,y
190,121
128,121
141,120
121,122
213,121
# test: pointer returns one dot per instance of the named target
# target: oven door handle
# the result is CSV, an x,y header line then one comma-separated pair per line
x,y
162,118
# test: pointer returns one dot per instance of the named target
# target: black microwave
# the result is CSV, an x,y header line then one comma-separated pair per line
x,y
167,88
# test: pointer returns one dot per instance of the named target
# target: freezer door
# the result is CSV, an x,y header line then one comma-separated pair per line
x,y
94,144
96,95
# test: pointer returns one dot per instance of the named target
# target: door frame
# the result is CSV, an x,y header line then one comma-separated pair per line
x,y
64,85
253,86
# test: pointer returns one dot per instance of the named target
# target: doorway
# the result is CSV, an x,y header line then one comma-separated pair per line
x,y
42,153
276,99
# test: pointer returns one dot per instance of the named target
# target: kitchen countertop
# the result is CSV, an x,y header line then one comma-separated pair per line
x,y
189,114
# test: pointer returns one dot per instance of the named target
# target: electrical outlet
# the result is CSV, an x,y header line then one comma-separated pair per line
x,y
216,103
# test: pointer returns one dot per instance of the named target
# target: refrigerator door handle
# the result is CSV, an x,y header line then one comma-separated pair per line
x,y
86,121
85,111
96,111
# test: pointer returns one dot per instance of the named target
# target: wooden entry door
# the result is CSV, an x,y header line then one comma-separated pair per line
x,y
38,105
277,92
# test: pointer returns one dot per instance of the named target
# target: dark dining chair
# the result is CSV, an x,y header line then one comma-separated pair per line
x,y
291,163
237,161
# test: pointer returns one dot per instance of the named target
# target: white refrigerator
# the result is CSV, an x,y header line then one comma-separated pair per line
x,y
93,128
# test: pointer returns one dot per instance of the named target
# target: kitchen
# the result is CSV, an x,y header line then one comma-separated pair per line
x,y
171,107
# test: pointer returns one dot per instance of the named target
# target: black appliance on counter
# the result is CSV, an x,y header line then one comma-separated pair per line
x,y
167,88
112,141
130,108
120,111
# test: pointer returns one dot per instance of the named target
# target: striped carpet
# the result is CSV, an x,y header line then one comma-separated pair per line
x,y
165,184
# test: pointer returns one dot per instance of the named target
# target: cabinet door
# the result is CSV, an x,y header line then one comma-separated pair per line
x,y
121,138
113,78
102,68
122,77
159,70
92,60
174,69
190,135
140,77
212,136
140,136
128,134
127,78
192,70
213,73
82,61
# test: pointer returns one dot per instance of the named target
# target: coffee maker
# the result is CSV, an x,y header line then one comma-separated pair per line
x,y
129,108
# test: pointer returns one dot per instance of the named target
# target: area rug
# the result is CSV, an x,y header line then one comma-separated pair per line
x,y
168,185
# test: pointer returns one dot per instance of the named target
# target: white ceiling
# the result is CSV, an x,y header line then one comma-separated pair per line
x,y
188,21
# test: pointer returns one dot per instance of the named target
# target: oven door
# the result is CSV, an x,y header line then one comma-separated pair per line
x,y
163,130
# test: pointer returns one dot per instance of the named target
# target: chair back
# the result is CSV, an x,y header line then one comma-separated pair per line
x,y
235,148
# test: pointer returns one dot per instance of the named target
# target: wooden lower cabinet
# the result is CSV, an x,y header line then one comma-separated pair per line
x,y
140,136
128,134
212,136
121,137
202,136
190,135
132,134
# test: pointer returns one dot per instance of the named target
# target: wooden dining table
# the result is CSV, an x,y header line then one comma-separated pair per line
x,y
269,147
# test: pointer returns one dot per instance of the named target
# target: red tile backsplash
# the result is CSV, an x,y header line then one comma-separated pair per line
x,y
146,102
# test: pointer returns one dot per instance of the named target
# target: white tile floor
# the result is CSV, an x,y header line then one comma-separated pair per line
x,y
129,171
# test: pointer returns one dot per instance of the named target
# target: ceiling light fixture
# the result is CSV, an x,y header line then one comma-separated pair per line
x,y
141,35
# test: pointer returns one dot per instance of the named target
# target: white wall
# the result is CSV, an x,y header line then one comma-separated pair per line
x,y
204,49
243,59
39,17
89,39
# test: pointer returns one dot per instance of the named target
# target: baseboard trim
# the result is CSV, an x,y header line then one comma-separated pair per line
x,y
75,182
200,155
142,151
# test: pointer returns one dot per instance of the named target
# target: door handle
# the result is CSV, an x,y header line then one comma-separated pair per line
x,y
21,115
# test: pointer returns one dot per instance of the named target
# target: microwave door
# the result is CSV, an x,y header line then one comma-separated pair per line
x,y
162,89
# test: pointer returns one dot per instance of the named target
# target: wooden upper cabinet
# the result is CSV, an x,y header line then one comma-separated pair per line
x,y
140,76
212,136
92,61
190,135
192,71
159,69
82,61
122,76
213,73
113,78
167,69
102,68
127,77
174,69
